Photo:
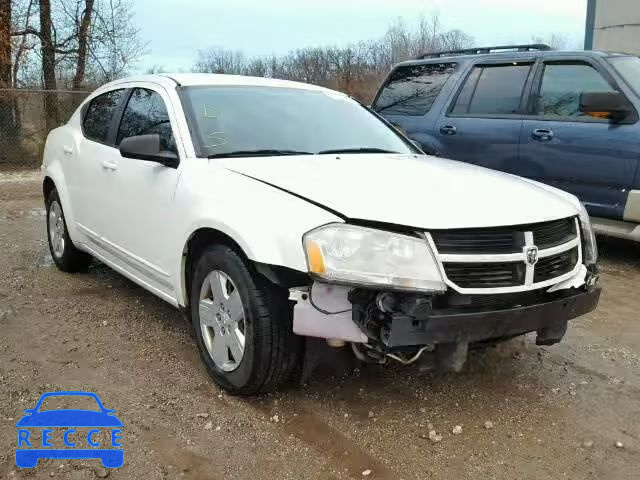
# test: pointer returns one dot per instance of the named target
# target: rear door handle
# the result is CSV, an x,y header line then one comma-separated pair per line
x,y
67,149
448,130
109,165
542,134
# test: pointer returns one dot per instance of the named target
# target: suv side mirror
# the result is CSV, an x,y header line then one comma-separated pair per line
x,y
147,147
611,105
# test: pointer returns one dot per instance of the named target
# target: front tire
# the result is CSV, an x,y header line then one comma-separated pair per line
x,y
65,255
242,324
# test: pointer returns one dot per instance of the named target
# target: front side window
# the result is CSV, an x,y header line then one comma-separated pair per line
x,y
145,114
562,85
412,89
99,114
492,90
227,119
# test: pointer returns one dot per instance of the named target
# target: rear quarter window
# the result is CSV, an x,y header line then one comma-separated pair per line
x,y
412,89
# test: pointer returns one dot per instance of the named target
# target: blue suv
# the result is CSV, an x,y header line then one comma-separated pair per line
x,y
568,119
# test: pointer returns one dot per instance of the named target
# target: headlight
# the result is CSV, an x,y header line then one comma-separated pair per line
x,y
366,256
590,246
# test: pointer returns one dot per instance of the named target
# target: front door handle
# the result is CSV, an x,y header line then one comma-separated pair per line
x,y
542,134
67,149
448,130
109,165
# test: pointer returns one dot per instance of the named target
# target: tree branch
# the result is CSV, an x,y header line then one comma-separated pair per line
x,y
26,31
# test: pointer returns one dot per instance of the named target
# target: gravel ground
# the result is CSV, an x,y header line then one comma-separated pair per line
x,y
517,411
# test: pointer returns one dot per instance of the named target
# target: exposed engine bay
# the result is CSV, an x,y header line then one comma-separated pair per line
x,y
402,326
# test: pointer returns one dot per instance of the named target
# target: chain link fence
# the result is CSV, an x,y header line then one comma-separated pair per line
x,y
26,117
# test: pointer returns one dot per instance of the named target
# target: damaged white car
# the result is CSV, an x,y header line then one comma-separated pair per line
x,y
276,213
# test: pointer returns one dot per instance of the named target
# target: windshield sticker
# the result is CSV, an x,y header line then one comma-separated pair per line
x,y
218,138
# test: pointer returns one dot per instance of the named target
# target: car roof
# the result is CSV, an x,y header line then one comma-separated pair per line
x,y
205,79
510,55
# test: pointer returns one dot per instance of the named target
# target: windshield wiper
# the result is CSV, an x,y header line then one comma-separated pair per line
x,y
258,153
356,150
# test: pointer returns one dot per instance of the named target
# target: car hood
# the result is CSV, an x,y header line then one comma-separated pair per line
x,y
411,190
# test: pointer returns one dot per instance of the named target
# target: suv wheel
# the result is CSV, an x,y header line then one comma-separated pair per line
x,y
65,255
242,324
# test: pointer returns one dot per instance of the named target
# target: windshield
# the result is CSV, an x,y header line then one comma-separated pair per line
x,y
226,119
629,69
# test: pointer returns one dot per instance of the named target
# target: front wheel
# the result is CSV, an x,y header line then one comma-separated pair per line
x,y
65,255
242,324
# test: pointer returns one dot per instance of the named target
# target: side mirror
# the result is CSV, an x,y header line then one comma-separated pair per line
x,y
147,147
610,105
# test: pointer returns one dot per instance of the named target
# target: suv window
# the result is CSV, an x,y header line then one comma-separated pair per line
x,y
492,90
99,114
411,90
562,84
144,114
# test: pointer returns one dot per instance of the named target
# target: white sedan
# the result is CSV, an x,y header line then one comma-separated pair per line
x,y
275,214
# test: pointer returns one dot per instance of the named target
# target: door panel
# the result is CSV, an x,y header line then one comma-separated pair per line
x,y
590,157
489,142
594,161
93,156
141,203
484,122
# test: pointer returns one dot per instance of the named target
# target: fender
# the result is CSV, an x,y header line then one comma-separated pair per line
x,y
267,224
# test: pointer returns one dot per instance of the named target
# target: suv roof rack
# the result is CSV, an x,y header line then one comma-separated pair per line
x,y
486,50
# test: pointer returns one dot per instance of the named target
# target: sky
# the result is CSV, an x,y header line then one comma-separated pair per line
x,y
176,30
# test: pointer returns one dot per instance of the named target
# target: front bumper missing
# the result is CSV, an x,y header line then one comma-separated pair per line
x,y
356,315
548,319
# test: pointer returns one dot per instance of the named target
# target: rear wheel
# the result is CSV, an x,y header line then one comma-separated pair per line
x,y
65,255
242,324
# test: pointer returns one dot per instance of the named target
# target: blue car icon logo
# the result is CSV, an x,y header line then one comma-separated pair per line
x,y
97,423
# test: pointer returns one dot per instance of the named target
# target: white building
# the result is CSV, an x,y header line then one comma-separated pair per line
x,y
613,25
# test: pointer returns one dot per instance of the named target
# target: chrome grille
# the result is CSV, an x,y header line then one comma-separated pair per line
x,y
508,259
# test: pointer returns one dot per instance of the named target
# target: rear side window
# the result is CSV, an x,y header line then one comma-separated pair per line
x,y
144,114
411,90
562,85
99,114
492,90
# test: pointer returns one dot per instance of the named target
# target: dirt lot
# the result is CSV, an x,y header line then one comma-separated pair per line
x,y
557,412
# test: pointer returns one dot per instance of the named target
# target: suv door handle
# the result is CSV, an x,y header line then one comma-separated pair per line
x,y
542,134
67,149
109,165
448,130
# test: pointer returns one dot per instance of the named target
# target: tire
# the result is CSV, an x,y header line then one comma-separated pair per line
x,y
65,255
271,352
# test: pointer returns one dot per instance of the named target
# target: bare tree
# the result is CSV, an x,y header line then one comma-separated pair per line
x,y
220,60
5,43
156,68
356,69
83,44
115,44
556,41
7,119
23,45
